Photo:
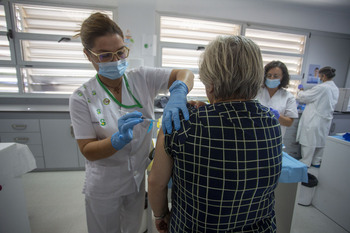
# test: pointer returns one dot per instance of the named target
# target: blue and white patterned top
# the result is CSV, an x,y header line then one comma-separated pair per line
x,y
227,162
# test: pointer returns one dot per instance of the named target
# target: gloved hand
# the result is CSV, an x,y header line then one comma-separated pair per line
x,y
125,125
300,86
177,101
346,136
275,112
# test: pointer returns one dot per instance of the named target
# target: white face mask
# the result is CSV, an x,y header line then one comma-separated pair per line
x,y
112,70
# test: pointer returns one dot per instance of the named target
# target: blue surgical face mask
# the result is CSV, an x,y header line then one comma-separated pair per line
x,y
112,70
272,83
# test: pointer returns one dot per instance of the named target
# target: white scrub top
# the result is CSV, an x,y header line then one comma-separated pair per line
x,y
316,119
95,115
282,101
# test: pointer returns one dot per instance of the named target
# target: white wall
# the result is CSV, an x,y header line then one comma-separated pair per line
x,y
260,11
326,50
250,11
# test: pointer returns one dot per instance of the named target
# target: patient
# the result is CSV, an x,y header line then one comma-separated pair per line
x,y
225,160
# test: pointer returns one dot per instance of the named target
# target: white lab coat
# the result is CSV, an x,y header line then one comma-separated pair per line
x,y
282,101
317,117
94,114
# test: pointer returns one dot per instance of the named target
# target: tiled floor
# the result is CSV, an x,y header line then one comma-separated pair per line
x,y
55,204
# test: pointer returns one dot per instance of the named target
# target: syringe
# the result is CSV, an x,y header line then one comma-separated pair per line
x,y
144,118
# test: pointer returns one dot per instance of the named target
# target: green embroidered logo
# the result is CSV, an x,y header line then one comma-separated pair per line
x,y
88,100
98,111
93,92
106,101
79,93
103,122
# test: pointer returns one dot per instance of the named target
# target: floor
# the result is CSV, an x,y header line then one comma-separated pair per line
x,y
55,204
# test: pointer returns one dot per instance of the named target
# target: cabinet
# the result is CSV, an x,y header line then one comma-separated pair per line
x,y
332,195
49,136
59,146
24,131
340,123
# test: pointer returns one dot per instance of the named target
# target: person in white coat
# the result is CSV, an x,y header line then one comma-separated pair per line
x,y
274,95
317,117
109,116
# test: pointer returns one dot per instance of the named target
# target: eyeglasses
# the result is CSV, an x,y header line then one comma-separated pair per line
x,y
273,76
108,56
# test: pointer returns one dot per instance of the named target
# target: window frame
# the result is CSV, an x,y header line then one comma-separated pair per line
x,y
17,60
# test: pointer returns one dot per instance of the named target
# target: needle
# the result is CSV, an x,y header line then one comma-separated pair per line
x,y
148,119
144,118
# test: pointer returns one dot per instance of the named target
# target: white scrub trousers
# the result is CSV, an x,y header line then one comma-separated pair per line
x,y
119,215
311,155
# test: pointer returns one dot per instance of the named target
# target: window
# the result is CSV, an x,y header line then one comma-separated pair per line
x,y
286,47
43,57
8,78
182,40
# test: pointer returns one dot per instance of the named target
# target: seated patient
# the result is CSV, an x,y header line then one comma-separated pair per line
x,y
225,160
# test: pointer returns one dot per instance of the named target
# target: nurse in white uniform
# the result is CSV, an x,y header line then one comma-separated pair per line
x,y
107,114
274,95
316,119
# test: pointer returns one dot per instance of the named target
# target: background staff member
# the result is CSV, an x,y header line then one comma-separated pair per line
x,y
316,119
274,95
115,144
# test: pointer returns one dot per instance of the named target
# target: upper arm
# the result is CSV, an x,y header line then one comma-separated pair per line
x,y
162,164
310,95
157,79
291,107
172,77
81,117
183,75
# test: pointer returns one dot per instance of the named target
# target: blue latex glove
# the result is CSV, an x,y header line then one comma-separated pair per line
x,y
346,136
300,86
275,112
177,101
125,125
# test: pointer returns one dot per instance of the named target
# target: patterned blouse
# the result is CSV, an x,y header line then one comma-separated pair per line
x,y
227,161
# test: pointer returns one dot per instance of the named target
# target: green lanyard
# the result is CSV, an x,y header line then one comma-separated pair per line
x,y
115,100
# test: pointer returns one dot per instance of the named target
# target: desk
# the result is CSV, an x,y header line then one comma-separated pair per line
x,y
332,194
15,160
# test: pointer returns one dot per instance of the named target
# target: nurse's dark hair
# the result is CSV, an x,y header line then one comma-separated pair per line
x,y
285,74
233,65
97,25
328,71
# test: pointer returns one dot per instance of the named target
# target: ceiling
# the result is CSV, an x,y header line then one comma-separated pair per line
x,y
337,6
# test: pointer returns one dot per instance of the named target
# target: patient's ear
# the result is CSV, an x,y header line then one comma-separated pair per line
x,y
210,89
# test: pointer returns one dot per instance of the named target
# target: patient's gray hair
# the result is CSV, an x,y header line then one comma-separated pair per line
x,y
234,66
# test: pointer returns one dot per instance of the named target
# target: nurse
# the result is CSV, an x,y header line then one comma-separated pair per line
x,y
316,119
274,95
106,115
